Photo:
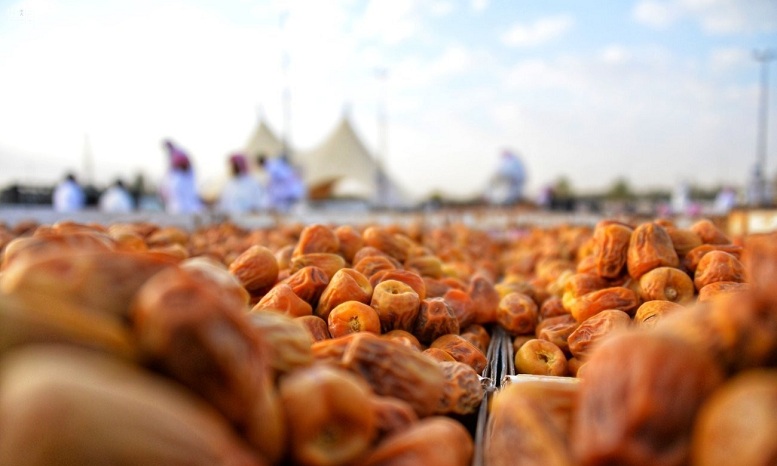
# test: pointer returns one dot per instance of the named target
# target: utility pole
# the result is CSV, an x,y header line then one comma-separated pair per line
x,y
285,61
381,181
762,193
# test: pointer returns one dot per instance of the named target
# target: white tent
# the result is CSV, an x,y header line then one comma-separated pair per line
x,y
263,141
341,166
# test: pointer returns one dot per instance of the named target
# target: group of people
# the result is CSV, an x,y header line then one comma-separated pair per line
x,y
274,185
69,196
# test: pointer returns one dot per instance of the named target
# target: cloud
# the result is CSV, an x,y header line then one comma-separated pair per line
x,y
441,8
730,58
390,21
539,32
479,5
614,54
658,14
714,16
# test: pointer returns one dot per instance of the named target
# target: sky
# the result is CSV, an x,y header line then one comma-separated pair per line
x,y
655,92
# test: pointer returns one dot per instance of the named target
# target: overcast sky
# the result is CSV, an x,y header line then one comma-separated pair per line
x,y
654,91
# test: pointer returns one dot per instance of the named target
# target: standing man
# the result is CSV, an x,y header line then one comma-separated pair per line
x,y
242,193
178,189
68,196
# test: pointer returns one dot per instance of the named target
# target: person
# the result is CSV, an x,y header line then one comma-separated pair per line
x,y
725,201
242,193
285,187
509,179
178,189
68,195
681,198
116,199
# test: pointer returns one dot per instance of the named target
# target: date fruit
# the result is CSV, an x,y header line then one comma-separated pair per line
x,y
352,317
462,351
256,268
540,357
583,339
718,266
639,398
281,298
668,284
517,313
435,319
435,440
737,424
611,242
650,247
397,305
346,285
328,413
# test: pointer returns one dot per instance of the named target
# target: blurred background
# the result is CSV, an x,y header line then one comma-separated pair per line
x,y
649,104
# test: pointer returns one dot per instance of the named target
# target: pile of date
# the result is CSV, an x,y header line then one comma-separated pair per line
x,y
642,343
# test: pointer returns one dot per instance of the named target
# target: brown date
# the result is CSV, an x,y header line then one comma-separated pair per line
x,y
650,313
328,262
583,339
453,445
108,400
316,238
709,233
683,239
477,335
691,260
438,355
209,345
404,337
392,415
397,305
540,357
484,297
736,425
350,241
256,268
668,284
346,285
463,390
383,240
718,266
328,413
289,341
371,265
390,367
616,297
408,277
308,283
435,319
639,398
99,282
352,317
281,298
552,307
611,242
462,351
711,290
530,423
461,305
317,328
557,330
517,313
650,247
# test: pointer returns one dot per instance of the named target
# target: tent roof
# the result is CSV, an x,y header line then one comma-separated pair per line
x,y
341,159
263,141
